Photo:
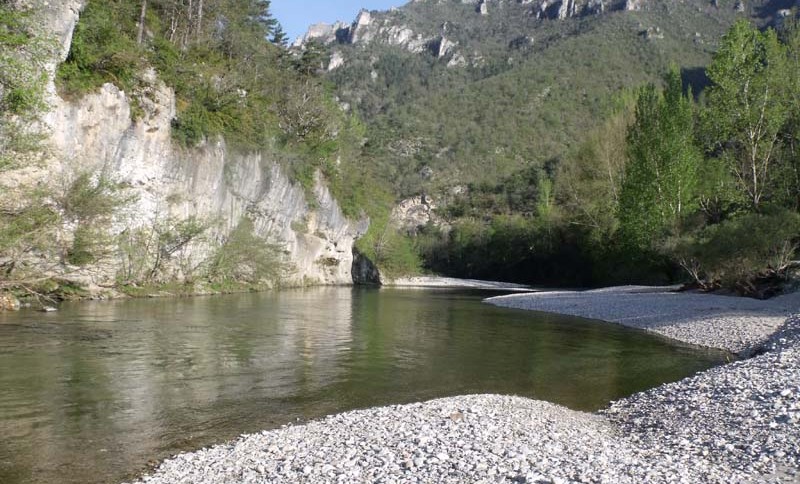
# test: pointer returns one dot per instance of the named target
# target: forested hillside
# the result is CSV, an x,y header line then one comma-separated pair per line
x,y
571,143
529,129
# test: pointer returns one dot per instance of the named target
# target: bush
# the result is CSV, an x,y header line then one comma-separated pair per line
x,y
390,250
103,49
739,252
246,257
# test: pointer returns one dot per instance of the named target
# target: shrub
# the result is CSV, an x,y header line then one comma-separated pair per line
x,y
246,257
738,252
103,49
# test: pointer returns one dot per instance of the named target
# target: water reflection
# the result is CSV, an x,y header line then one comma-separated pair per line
x,y
95,391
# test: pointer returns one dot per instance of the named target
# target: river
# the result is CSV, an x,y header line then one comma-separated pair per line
x,y
97,391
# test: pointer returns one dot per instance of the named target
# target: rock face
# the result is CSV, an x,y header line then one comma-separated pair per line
x,y
389,29
212,184
414,213
632,5
324,33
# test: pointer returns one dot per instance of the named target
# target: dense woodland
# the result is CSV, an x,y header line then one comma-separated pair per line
x,y
667,189
625,148
690,178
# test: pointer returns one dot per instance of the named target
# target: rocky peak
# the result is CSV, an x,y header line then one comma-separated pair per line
x,y
324,33
378,26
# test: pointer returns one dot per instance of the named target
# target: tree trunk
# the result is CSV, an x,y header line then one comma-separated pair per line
x,y
199,19
189,26
141,23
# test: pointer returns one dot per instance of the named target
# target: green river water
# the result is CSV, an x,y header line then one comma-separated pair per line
x,y
97,391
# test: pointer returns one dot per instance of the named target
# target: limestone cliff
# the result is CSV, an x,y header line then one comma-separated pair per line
x,y
393,27
165,182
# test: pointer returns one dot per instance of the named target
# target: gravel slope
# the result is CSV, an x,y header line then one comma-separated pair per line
x,y
739,423
744,416
739,325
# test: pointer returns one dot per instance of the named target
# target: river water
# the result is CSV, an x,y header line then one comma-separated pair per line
x,y
97,391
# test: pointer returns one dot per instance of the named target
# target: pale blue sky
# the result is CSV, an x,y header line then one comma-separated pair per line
x,y
296,15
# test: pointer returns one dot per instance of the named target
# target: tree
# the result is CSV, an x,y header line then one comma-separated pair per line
x,y
279,37
661,174
791,176
24,51
589,180
312,59
748,105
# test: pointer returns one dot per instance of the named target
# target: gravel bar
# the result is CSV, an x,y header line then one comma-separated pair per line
x,y
739,423
736,324
432,282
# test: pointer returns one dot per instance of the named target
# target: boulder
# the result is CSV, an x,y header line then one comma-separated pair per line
x,y
8,302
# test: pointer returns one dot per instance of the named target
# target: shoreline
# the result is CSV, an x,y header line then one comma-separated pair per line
x,y
437,282
11,302
738,422
734,324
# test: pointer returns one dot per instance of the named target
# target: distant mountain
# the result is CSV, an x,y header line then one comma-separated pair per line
x,y
467,91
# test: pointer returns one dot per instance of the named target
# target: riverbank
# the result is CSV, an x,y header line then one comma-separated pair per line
x,y
735,423
736,324
12,302
428,282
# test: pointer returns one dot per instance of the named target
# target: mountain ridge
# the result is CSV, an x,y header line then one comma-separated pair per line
x,y
393,66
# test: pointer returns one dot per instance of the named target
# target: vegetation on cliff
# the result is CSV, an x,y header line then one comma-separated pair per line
x,y
23,53
233,80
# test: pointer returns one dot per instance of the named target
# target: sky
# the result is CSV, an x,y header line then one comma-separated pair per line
x,y
296,15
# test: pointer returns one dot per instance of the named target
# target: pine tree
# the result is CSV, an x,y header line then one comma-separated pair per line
x,y
279,37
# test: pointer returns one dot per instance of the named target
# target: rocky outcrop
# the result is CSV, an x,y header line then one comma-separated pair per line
x,y
390,28
360,30
324,33
411,214
212,184
337,61
632,5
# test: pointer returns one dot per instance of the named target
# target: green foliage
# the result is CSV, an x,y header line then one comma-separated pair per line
x,y
589,179
661,173
90,202
229,80
390,250
103,49
510,248
25,228
246,257
636,200
146,251
312,59
748,106
85,244
739,251
24,49
508,108
33,223
90,198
